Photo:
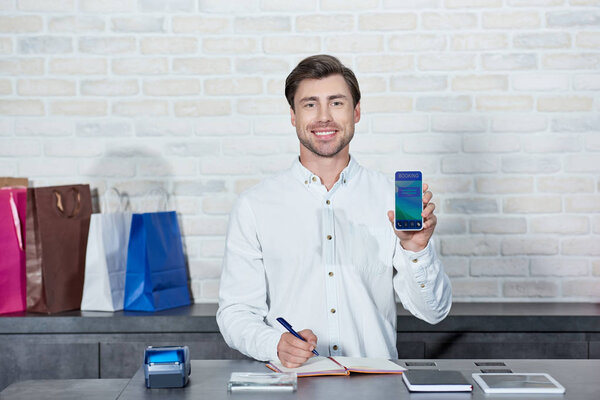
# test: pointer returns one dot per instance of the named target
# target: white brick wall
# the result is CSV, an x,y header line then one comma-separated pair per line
x,y
495,100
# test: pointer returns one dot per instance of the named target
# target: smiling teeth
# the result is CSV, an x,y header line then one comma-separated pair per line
x,y
324,133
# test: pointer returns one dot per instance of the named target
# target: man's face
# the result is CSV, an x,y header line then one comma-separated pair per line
x,y
324,115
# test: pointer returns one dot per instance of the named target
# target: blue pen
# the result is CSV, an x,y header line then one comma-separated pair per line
x,y
287,326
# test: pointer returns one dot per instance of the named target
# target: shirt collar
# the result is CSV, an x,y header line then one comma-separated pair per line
x,y
306,177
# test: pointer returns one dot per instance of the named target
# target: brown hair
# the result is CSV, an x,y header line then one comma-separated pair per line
x,y
319,67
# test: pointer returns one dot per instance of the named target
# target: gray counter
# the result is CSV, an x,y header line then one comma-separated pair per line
x,y
110,345
209,381
464,317
65,389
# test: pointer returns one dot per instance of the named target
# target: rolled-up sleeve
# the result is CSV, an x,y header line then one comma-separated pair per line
x,y
421,283
243,302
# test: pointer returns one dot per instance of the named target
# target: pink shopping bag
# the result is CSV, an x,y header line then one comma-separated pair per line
x,y
13,284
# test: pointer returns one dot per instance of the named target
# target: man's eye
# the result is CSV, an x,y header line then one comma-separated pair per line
x,y
337,103
309,105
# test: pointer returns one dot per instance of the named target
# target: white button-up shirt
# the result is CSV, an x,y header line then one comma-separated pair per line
x,y
328,261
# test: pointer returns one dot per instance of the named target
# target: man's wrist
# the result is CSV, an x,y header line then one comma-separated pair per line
x,y
411,246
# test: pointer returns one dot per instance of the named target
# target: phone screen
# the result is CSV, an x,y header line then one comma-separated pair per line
x,y
409,200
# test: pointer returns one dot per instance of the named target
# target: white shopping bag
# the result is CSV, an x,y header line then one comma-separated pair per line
x,y
106,260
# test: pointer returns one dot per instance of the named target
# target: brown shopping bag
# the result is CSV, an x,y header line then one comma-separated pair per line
x,y
58,219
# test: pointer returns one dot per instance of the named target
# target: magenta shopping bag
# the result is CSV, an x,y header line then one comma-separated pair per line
x,y
13,284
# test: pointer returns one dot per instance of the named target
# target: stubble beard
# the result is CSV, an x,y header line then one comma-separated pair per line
x,y
327,154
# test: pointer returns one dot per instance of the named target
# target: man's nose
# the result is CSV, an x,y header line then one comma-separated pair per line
x,y
324,114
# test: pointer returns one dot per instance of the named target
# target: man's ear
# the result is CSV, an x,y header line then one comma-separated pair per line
x,y
293,116
357,113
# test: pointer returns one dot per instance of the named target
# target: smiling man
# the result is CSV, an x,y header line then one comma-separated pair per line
x,y
314,245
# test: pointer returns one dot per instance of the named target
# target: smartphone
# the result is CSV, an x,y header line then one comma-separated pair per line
x,y
409,200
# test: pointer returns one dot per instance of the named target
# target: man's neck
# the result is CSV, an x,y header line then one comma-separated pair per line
x,y
326,168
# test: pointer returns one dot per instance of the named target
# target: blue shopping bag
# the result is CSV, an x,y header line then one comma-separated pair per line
x,y
156,277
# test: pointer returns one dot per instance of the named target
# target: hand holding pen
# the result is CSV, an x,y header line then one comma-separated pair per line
x,y
295,348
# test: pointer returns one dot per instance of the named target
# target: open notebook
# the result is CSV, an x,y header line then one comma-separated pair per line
x,y
316,366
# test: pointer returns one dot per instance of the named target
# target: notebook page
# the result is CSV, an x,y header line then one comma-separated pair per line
x,y
361,364
313,365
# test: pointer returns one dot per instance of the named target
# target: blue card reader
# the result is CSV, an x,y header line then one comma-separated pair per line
x,y
167,366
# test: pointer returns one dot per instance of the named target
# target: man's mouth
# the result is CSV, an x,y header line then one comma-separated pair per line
x,y
325,133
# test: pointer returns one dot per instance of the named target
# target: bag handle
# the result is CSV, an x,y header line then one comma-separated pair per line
x,y
16,220
163,201
123,200
59,203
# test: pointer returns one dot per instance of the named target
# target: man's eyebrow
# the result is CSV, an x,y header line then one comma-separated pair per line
x,y
305,99
315,98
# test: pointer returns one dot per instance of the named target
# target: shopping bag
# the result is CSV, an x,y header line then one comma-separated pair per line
x,y
58,219
13,182
106,258
156,277
13,204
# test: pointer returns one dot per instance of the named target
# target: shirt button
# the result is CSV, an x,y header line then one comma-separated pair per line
x,y
314,178
344,181
306,182
328,237
415,260
331,274
335,347
422,285
332,310
328,202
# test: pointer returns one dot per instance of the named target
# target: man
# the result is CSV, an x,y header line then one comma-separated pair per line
x,y
313,244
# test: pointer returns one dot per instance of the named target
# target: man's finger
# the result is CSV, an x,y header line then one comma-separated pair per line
x,y
289,364
292,356
430,222
309,336
427,211
296,343
427,197
292,359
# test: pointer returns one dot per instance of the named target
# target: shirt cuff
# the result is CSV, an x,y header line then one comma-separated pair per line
x,y
419,261
272,343
419,255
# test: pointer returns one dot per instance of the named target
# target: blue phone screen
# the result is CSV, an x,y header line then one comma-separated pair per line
x,y
409,200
